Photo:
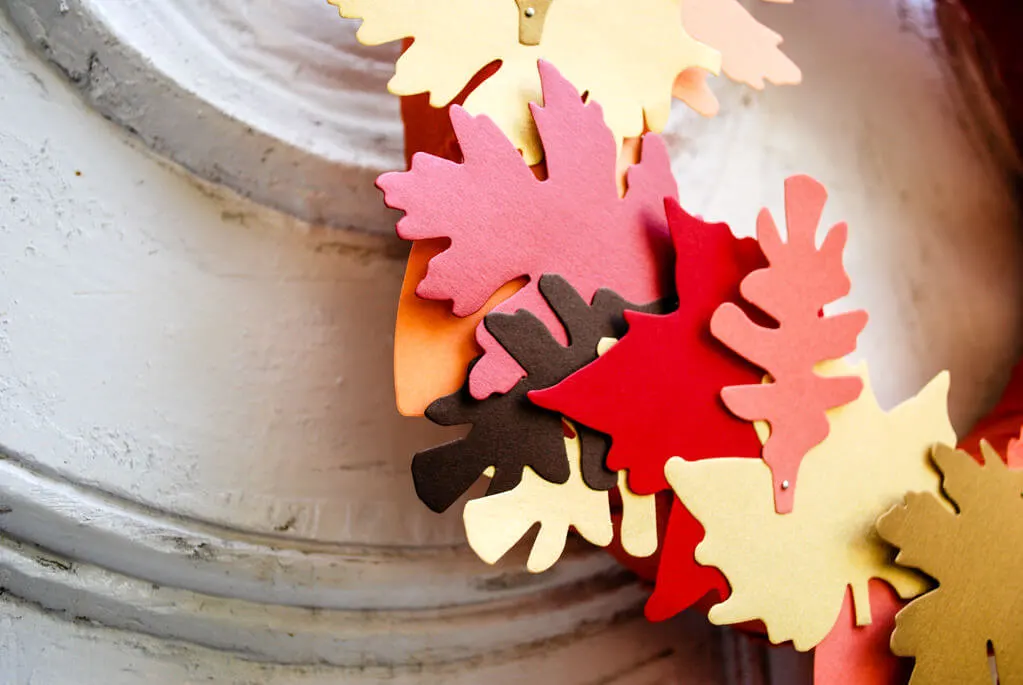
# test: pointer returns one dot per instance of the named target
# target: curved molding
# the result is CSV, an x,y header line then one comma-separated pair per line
x,y
127,539
276,100
309,636
631,652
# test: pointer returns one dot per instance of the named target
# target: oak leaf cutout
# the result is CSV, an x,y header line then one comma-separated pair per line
x,y
505,224
626,57
749,51
510,433
971,542
791,571
495,523
793,289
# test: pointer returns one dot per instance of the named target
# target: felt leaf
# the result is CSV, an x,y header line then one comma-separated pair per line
x,y
656,392
495,523
504,223
793,289
791,570
972,544
860,654
626,56
508,431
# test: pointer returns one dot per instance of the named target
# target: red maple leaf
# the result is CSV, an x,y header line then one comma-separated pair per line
x,y
505,223
657,394
793,290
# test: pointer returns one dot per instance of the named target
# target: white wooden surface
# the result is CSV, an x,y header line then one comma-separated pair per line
x,y
204,477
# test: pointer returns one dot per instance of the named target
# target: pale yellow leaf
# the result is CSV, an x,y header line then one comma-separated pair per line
x,y
791,570
494,524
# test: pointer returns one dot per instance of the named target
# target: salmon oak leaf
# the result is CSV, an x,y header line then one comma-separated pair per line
x,y
495,523
749,51
971,542
508,431
799,280
626,56
791,571
504,224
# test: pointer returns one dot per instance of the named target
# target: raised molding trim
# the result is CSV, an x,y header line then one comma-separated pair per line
x,y
128,539
218,89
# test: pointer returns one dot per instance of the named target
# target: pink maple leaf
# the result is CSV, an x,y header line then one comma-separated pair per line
x,y
505,223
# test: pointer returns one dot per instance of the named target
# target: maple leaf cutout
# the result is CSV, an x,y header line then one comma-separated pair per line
x,y
504,223
656,392
627,58
793,289
791,570
493,524
972,544
508,431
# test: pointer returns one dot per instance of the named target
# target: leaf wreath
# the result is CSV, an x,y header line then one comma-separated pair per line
x,y
508,431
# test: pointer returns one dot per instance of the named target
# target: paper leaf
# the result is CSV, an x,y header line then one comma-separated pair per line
x,y
860,654
681,582
508,431
749,50
433,348
494,524
798,282
791,571
1001,426
656,392
972,544
505,224
625,56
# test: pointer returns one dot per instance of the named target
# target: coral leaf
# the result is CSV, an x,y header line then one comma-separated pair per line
x,y
793,290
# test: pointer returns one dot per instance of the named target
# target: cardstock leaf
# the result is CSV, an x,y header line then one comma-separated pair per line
x,y
656,392
860,654
799,280
494,524
626,56
971,542
508,431
505,224
749,50
791,571
680,581
433,348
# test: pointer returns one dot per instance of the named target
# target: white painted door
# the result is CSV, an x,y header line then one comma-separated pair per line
x,y
203,478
